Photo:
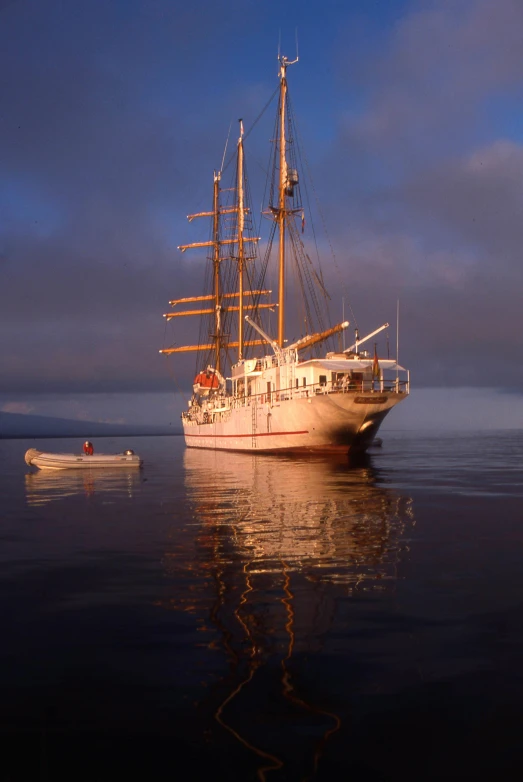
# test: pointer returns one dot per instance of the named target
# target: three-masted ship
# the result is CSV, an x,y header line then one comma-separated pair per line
x,y
254,391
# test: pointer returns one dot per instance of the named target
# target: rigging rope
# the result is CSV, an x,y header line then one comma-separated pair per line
x,y
322,217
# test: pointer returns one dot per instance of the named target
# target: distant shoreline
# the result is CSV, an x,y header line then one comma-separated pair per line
x,y
85,435
19,426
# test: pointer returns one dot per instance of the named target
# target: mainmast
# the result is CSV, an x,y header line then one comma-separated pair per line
x,y
216,269
282,194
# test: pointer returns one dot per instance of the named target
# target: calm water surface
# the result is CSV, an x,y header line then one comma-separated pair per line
x,y
226,616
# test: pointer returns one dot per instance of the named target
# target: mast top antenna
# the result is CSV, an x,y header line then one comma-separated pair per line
x,y
220,172
284,63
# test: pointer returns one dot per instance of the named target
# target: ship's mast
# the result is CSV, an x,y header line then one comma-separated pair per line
x,y
241,221
282,211
282,191
216,269
218,295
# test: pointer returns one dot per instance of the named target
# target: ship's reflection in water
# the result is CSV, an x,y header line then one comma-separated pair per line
x,y
47,486
282,541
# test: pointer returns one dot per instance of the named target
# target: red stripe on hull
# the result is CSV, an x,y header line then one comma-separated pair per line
x,y
261,434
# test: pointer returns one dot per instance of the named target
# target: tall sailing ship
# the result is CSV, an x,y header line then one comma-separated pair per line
x,y
255,391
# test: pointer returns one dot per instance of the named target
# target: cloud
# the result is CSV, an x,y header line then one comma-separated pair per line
x,y
141,409
17,407
479,200
429,81
104,125
112,133
425,177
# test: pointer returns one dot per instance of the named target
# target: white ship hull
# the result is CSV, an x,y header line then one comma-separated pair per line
x,y
324,422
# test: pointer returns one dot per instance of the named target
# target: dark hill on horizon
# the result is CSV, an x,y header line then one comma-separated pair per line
x,y
14,425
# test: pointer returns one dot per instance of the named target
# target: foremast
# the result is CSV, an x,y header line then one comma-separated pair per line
x,y
219,297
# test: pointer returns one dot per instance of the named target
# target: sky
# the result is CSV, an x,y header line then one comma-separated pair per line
x,y
114,114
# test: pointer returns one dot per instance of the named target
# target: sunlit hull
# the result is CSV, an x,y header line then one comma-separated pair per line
x,y
323,422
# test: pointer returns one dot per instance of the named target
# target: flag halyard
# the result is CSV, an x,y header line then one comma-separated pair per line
x,y
376,371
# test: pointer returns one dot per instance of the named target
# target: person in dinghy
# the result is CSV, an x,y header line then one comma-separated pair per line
x,y
88,448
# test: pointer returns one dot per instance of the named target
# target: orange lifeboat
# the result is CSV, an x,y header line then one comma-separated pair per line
x,y
205,382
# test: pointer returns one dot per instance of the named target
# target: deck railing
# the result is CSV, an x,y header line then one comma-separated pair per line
x,y
314,389
368,387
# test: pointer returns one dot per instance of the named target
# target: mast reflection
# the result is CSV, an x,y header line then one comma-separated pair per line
x,y
282,539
